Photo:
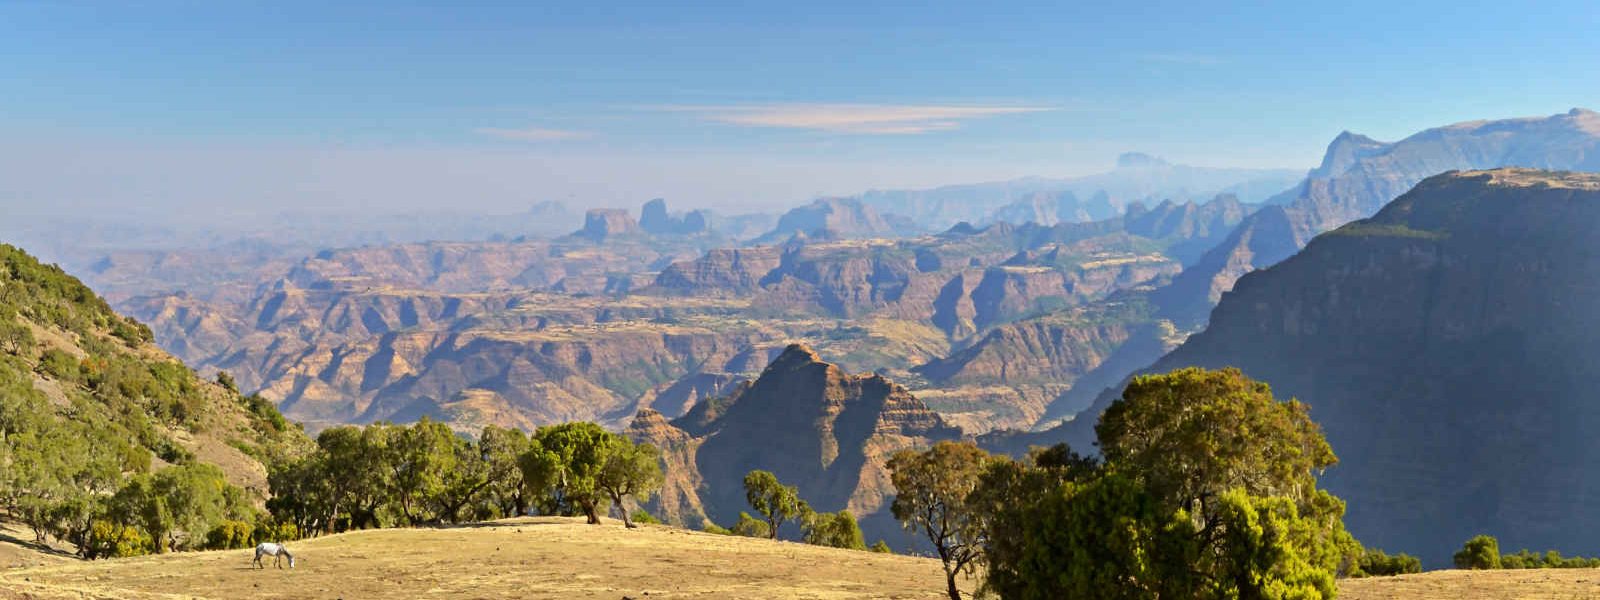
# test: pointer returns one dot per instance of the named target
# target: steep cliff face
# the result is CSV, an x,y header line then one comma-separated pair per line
x,y
810,423
602,223
678,501
1446,346
1360,175
655,220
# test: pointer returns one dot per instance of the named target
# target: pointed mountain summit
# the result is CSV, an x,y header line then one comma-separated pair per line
x,y
806,420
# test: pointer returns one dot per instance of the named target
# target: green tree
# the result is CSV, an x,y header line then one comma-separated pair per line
x,y
421,459
836,530
567,460
931,491
1480,552
882,547
1190,435
1267,551
500,448
749,526
1101,538
1208,490
774,501
630,470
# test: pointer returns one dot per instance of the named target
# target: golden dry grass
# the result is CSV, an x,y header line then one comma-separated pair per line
x,y
1540,584
521,558
563,558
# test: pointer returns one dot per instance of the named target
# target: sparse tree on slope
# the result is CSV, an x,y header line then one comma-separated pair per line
x,y
630,470
771,499
931,490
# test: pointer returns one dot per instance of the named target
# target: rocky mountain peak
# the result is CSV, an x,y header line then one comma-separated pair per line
x,y
1140,160
655,219
1344,151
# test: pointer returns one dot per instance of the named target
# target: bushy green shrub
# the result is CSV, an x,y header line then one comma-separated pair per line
x,y
1377,563
644,516
110,540
1480,552
229,535
749,526
836,530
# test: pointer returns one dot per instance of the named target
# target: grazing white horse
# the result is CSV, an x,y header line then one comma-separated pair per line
x,y
276,551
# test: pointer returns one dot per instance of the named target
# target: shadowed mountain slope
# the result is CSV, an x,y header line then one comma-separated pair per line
x,y
1446,346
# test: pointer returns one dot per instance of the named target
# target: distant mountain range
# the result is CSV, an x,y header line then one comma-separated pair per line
x,y
1358,175
1137,177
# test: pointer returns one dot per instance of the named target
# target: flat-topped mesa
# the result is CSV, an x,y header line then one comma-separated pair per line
x,y
601,223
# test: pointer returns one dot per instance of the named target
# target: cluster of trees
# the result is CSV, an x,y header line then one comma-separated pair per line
x,y
1207,489
77,465
1483,552
386,475
777,504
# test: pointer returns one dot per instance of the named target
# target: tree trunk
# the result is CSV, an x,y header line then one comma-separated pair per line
x,y
589,510
626,522
950,579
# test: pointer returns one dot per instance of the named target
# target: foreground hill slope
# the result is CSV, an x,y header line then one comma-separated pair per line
x,y
1446,346
73,371
520,558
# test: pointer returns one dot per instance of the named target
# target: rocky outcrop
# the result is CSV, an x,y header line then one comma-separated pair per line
x,y
675,399
655,220
810,423
602,223
1446,347
1359,175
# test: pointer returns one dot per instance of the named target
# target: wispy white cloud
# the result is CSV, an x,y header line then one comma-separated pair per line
x,y
867,119
533,134
1181,58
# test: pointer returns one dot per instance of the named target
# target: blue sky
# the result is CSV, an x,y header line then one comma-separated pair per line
x,y
491,106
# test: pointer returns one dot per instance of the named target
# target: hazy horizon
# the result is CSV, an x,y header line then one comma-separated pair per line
x,y
244,111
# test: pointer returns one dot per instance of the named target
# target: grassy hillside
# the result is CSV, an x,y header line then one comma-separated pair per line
x,y
87,403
